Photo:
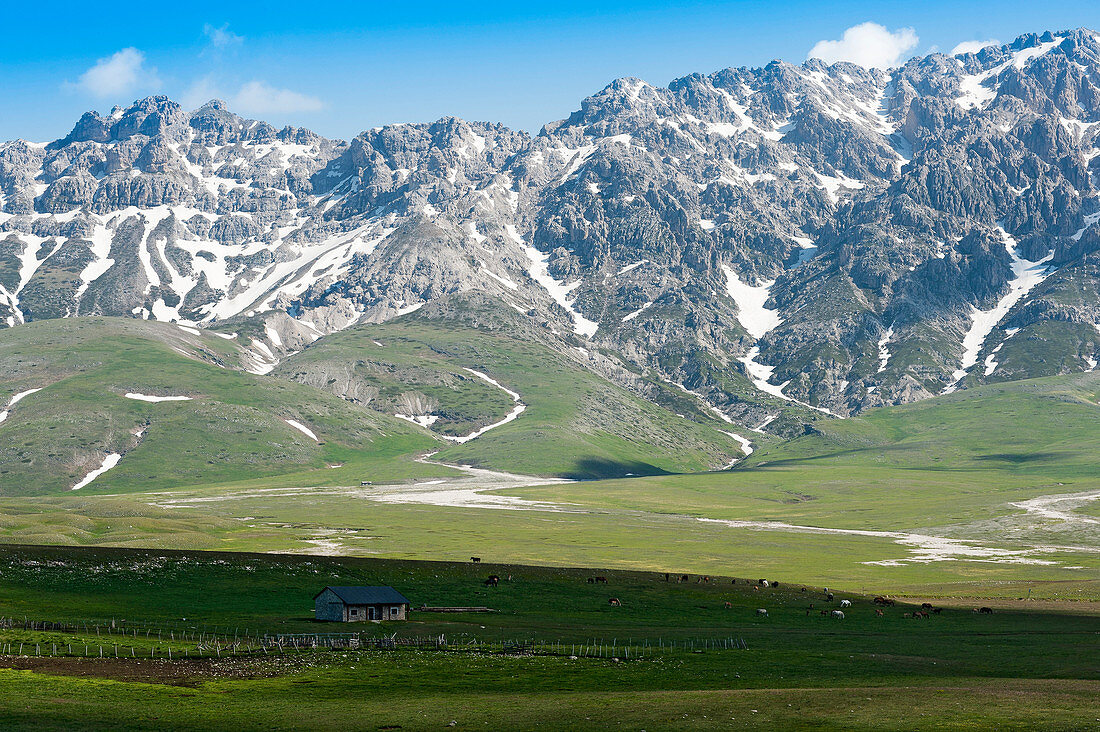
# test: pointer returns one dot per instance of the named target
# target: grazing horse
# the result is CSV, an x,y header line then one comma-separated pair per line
x,y
986,611
614,602
475,560
838,614
685,578
706,578
845,603
884,601
775,584
763,583
493,581
926,606
601,580
937,610
829,597
761,612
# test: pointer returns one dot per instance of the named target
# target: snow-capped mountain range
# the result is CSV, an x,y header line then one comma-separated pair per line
x,y
816,237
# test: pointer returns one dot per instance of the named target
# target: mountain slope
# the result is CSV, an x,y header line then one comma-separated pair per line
x,y
492,388
789,242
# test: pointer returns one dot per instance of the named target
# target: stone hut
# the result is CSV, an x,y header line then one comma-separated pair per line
x,y
358,604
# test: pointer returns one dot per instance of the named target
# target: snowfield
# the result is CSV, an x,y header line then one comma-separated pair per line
x,y
150,398
752,313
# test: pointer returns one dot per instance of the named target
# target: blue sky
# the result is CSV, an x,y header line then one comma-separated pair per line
x,y
339,68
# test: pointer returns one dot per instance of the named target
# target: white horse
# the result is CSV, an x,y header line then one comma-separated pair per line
x,y
845,603
838,614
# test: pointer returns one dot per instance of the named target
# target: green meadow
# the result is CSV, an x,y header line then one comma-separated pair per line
x,y
1022,666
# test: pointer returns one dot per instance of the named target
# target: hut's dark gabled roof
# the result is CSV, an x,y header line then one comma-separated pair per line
x,y
379,595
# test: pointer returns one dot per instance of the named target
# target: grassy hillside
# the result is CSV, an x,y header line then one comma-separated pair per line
x,y
1048,426
949,466
233,426
575,424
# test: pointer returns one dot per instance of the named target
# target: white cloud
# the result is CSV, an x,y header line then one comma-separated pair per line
x,y
973,46
867,44
221,37
199,93
255,97
122,73
259,97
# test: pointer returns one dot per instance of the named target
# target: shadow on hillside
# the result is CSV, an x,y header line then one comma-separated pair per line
x,y
1018,457
595,468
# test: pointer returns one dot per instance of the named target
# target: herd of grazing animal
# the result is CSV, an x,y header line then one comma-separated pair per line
x,y
881,601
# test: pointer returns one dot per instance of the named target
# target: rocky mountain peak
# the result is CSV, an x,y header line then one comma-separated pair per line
x,y
812,239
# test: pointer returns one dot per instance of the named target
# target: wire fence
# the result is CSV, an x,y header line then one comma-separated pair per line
x,y
122,639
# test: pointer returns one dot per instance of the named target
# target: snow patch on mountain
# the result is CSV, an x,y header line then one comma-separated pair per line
x,y
516,411
1025,276
539,270
110,461
421,420
15,400
302,428
752,312
627,318
883,351
150,398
